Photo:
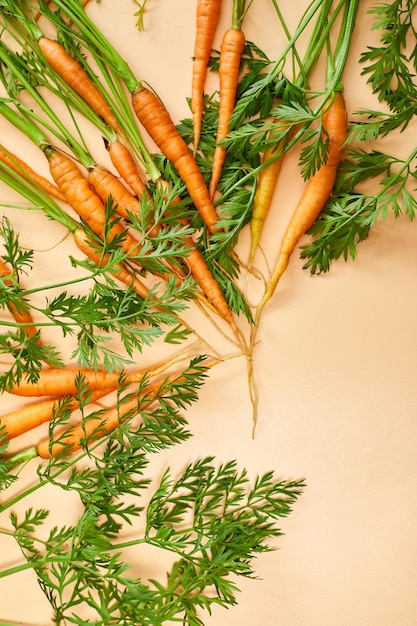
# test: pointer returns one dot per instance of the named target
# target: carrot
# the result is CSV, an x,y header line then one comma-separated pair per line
x,y
21,314
231,51
59,381
316,193
121,272
19,166
266,183
127,168
207,19
22,420
76,77
106,185
85,202
157,122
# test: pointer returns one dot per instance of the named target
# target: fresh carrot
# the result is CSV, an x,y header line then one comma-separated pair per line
x,y
158,123
266,184
21,314
19,166
316,193
60,381
127,167
76,77
107,185
207,19
232,47
20,421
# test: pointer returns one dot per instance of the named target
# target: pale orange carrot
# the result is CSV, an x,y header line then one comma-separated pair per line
x,y
233,45
207,19
158,123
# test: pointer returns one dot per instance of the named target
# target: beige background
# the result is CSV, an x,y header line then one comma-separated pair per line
x,y
336,369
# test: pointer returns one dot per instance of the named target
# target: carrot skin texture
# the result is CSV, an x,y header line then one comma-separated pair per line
x,y
76,77
317,191
22,420
207,19
233,45
24,170
158,123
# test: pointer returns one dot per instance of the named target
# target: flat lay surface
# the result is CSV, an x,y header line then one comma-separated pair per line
x,y
334,364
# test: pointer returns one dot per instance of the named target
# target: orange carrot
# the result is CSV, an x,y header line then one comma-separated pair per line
x,y
85,202
127,167
75,76
106,185
59,381
22,420
207,19
20,314
19,166
316,193
231,51
157,122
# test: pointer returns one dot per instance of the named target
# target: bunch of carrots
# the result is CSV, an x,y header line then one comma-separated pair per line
x,y
165,214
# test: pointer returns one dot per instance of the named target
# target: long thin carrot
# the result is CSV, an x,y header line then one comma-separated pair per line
x,y
20,421
21,314
316,193
158,123
29,174
207,19
266,184
232,47
75,76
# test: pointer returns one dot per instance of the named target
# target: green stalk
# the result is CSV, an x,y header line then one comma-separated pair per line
x,y
239,11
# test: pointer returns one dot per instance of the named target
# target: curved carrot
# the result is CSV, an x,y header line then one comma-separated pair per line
x,y
22,168
231,51
207,19
159,125
75,76
20,314
316,193
20,421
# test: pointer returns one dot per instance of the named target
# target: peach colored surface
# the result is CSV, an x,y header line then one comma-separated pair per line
x,y
336,368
